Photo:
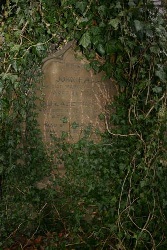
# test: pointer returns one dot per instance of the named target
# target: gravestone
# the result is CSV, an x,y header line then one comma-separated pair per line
x,y
74,97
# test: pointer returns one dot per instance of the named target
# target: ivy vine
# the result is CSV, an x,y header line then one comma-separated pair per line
x,y
114,192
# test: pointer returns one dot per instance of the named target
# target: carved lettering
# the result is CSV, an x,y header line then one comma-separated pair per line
x,y
74,97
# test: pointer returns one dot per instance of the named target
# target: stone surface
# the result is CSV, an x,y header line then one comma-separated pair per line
x,y
73,97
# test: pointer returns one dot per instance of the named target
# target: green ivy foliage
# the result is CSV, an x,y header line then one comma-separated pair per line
x,y
114,193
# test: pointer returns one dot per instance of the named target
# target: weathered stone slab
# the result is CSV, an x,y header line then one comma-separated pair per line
x,y
73,97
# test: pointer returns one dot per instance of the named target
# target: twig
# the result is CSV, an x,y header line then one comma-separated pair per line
x,y
121,135
42,208
119,206
154,105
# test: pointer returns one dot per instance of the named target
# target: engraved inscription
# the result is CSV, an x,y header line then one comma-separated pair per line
x,y
74,98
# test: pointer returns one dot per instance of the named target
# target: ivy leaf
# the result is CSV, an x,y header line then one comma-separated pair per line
x,y
95,31
16,48
81,6
161,74
157,89
9,76
114,23
100,49
102,117
14,65
143,183
75,125
133,59
155,49
118,5
85,40
40,47
138,25
64,120
131,3
102,10
95,65
82,20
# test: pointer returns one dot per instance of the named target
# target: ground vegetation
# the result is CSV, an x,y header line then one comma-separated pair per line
x,y
114,194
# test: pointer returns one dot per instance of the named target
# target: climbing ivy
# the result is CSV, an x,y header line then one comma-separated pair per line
x,y
114,193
